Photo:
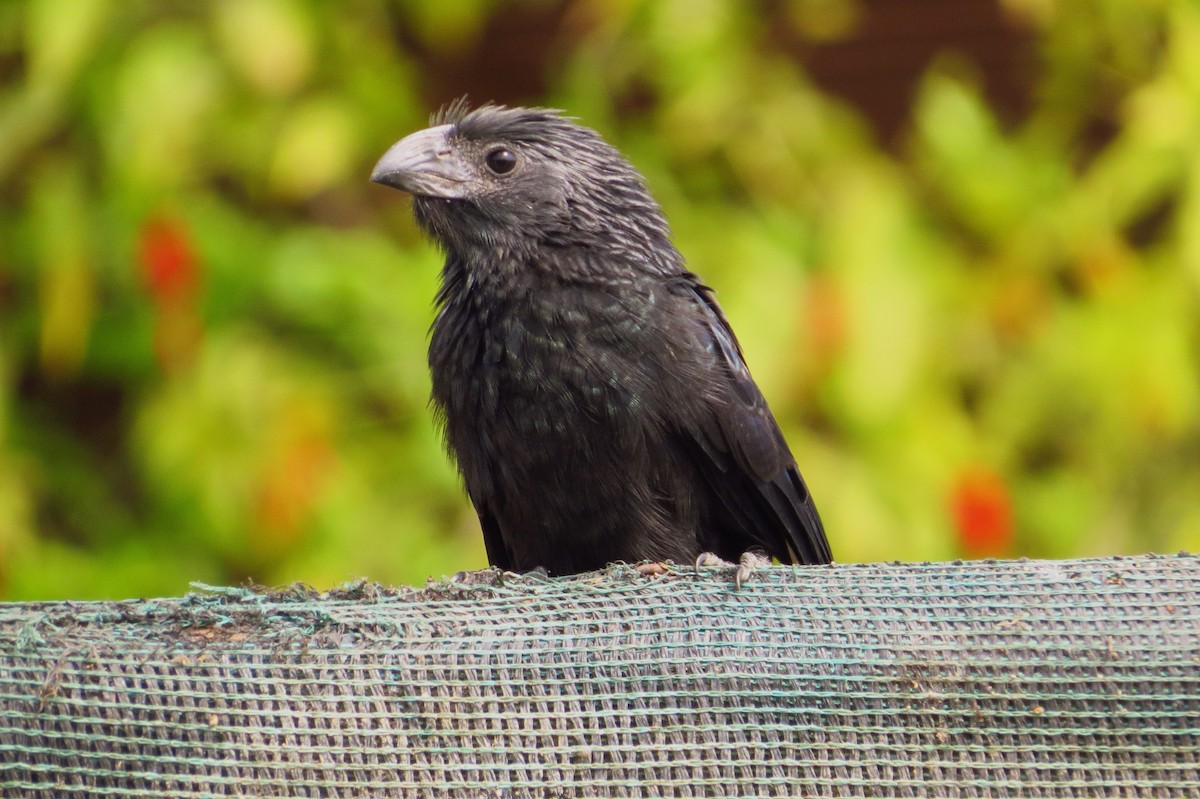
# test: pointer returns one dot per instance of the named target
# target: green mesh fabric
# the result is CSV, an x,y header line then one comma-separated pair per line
x,y
1014,679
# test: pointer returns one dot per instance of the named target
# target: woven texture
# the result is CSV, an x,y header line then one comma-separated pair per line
x,y
1021,679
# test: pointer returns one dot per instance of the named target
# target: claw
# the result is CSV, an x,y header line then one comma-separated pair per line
x,y
744,568
747,564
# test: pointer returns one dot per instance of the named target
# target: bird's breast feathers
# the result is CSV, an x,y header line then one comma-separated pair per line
x,y
580,351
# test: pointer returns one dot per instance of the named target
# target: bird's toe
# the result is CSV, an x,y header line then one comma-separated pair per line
x,y
712,559
750,561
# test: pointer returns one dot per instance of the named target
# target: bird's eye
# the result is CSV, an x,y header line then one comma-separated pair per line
x,y
501,160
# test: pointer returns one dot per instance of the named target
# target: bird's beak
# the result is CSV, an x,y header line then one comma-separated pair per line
x,y
424,164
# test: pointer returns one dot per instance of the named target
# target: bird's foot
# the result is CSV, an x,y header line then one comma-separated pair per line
x,y
750,561
489,576
743,570
652,569
712,559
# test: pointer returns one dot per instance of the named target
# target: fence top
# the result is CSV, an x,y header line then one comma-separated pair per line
x,y
1052,678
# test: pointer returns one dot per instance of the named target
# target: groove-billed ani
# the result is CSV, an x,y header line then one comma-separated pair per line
x,y
592,391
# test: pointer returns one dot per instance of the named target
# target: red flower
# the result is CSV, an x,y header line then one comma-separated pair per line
x,y
983,515
171,271
168,260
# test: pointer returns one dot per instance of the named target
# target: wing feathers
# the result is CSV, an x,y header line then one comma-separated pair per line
x,y
745,460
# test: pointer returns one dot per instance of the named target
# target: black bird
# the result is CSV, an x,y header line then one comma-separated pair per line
x,y
591,389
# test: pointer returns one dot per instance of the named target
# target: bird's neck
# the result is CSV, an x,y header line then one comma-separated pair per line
x,y
487,280
488,300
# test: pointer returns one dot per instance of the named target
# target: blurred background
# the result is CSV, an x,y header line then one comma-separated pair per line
x,y
959,239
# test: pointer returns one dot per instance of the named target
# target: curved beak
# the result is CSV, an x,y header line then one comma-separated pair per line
x,y
425,164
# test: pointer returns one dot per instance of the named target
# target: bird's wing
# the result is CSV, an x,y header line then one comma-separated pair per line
x,y
743,456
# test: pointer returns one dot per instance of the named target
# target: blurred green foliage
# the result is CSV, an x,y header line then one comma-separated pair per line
x,y
980,338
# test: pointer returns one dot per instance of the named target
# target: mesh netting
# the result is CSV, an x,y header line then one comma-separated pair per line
x,y
1023,679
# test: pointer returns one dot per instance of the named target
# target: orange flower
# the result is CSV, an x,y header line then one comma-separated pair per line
x,y
301,461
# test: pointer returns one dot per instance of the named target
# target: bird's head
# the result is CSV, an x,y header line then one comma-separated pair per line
x,y
521,177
